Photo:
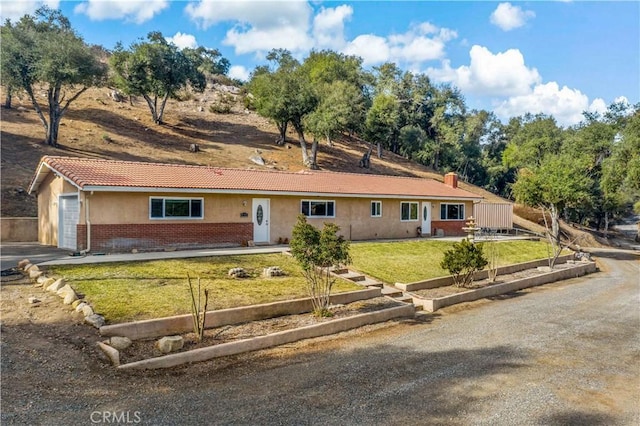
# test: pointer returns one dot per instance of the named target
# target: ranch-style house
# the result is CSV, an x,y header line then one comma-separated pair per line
x,y
115,206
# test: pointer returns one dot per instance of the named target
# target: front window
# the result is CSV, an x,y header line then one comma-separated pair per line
x,y
408,211
318,208
452,211
376,209
176,208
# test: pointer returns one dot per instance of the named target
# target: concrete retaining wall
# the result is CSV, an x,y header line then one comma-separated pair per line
x,y
432,305
481,275
274,339
19,229
184,323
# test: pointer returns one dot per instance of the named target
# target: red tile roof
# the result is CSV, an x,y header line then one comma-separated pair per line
x,y
100,175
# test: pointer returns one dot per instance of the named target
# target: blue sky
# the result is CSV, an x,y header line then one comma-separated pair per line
x,y
554,57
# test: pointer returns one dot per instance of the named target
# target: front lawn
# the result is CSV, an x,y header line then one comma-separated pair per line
x,y
411,261
142,290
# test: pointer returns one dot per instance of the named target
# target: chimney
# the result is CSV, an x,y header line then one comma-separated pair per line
x,y
451,179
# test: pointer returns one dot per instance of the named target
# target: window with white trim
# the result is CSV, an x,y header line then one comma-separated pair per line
x,y
451,211
376,209
176,208
318,208
408,211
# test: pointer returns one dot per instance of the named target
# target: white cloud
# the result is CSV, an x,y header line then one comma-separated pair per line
x,y
183,40
509,17
371,48
500,74
14,10
131,10
328,26
598,105
565,104
422,42
260,26
239,72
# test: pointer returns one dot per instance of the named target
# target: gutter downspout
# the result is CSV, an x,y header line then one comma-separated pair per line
x,y
87,220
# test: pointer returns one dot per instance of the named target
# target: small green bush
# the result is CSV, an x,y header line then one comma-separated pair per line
x,y
462,261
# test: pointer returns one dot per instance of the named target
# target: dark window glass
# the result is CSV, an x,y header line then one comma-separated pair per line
x,y
196,208
156,207
305,208
176,208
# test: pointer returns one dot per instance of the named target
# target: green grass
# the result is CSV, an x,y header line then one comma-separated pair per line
x,y
410,261
142,290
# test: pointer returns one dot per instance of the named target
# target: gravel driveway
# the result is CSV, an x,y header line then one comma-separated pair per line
x,y
562,354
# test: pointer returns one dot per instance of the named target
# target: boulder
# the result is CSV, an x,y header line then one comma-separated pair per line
x,y
31,267
111,353
95,320
79,305
170,344
23,263
70,297
272,271
238,273
119,342
57,285
47,282
87,310
35,273
64,290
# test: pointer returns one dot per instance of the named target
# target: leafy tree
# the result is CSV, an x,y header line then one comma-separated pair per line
x,y
43,51
316,252
462,261
157,70
284,94
382,121
209,61
558,182
533,138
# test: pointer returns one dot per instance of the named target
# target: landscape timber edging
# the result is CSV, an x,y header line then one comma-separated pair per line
x,y
179,324
432,305
480,275
273,339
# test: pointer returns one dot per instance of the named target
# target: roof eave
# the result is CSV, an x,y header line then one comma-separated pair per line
x,y
43,170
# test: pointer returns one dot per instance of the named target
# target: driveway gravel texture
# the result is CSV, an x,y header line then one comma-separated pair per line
x,y
566,353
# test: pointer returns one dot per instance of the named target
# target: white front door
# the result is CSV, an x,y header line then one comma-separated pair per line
x,y
261,220
426,218
68,214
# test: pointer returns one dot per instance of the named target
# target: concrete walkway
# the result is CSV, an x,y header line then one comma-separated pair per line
x,y
12,253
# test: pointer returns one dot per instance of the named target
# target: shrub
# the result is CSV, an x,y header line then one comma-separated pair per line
x,y
462,261
316,251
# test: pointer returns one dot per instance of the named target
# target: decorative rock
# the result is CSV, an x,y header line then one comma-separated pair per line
x,y
76,303
33,300
47,282
35,273
79,306
64,290
170,344
111,353
57,285
87,310
257,159
238,273
273,271
31,267
70,298
95,320
23,263
119,342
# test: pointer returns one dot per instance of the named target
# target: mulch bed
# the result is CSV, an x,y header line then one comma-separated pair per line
x,y
435,293
144,349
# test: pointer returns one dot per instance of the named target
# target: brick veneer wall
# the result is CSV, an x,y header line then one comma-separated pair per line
x,y
125,237
451,227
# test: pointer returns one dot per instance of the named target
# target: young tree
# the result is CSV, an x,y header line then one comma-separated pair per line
x,y
316,252
44,51
157,70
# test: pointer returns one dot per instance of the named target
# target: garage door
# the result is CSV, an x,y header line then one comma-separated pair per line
x,y
69,210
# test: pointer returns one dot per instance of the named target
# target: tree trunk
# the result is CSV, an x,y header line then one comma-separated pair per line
x,y
313,164
161,112
282,129
7,99
329,141
54,116
36,106
606,224
152,103
379,150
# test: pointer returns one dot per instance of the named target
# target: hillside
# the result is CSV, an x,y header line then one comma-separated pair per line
x,y
97,126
